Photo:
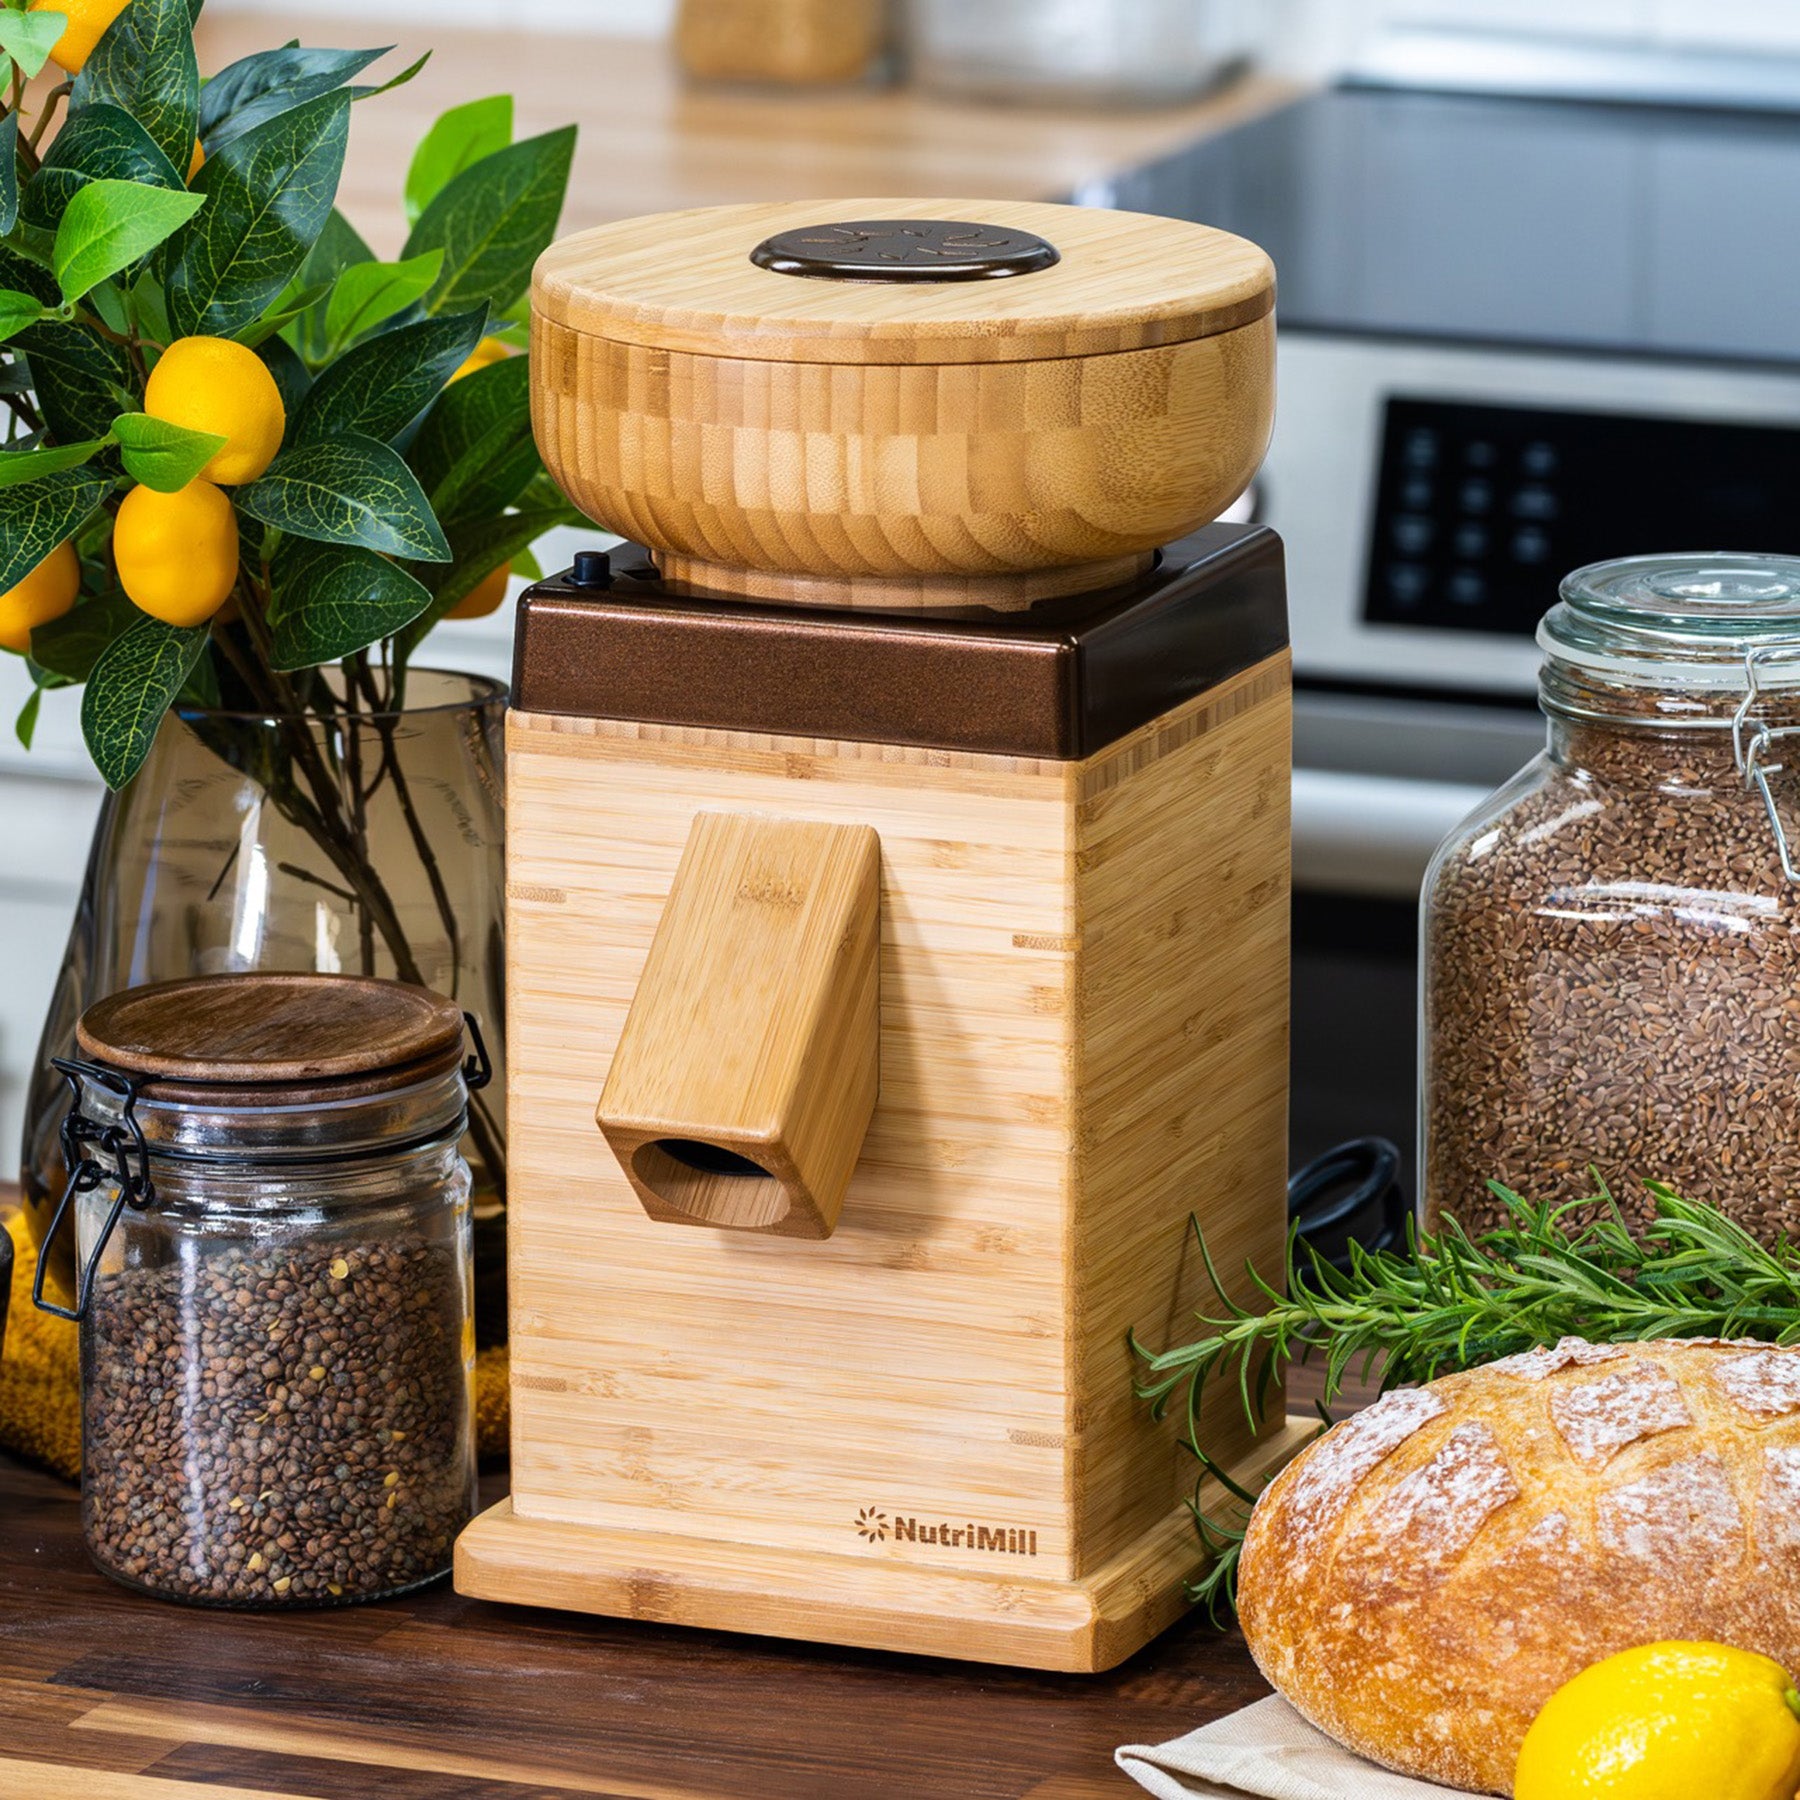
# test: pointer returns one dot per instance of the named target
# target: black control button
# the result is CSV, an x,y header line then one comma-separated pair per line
x,y
1479,454
1534,503
1467,587
1406,583
1530,545
1471,540
1420,449
1416,492
1539,458
1476,495
591,568
1412,534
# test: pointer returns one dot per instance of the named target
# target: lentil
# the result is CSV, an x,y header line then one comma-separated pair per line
x,y
215,1471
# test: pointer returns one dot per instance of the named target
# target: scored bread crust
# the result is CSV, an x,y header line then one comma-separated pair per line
x,y
1419,1581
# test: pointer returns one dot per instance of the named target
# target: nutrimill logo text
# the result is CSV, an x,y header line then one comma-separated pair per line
x,y
875,1527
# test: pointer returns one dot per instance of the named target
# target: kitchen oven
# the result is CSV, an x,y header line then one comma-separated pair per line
x,y
1515,335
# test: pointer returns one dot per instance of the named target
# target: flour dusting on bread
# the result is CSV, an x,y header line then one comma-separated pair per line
x,y
1443,1505
1766,1382
1323,1485
1598,1419
1535,1365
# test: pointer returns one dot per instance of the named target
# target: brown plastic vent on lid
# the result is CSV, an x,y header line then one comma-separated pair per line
x,y
269,1029
903,402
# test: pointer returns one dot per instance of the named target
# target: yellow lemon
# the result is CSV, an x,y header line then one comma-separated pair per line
x,y
1667,1722
196,161
177,554
212,384
45,593
483,597
88,20
489,350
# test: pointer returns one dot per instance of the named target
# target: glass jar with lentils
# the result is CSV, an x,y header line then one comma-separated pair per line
x,y
1611,968
272,1226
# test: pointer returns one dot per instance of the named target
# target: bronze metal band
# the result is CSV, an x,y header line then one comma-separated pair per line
x,y
1060,679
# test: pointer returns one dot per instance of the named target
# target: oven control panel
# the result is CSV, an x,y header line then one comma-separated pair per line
x,y
1481,509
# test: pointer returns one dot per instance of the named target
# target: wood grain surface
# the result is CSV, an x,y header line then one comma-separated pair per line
x,y
685,281
108,1695
917,1433
753,1029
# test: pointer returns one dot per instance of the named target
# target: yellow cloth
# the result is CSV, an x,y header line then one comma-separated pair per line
x,y
40,1379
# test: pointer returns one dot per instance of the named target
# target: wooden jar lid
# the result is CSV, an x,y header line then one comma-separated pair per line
x,y
686,281
267,1029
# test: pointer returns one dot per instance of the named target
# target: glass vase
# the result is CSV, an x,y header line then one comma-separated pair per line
x,y
345,840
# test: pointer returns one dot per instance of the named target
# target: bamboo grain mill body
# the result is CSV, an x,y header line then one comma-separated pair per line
x,y
897,940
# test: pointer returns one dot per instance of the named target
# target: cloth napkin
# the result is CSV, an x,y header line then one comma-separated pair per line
x,y
1269,1752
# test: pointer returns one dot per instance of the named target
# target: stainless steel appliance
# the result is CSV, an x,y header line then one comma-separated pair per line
x,y
1516,335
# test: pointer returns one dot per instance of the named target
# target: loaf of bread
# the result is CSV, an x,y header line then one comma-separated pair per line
x,y
1420,1581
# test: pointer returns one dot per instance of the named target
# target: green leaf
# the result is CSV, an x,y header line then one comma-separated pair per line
x,y
99,143
36,516
69,647
493,221
130,689
80,380
108,225
475,453
269,194
161,455
463,135
393,81
478,548
332,600
292,380
386,381
28,38
9,172
351,490
25,726
369,292
291,303
144,64
19,466
339,247
16,312
258,87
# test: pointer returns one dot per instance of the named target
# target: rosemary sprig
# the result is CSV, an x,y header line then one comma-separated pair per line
x,y
1450,1301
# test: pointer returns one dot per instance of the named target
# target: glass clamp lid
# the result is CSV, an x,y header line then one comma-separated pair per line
x,y
1704,631
1683,621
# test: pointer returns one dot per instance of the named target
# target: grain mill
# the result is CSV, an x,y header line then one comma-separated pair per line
x,y
897,940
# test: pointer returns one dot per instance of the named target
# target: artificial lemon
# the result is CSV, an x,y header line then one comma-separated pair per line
x,y
1667,1722
42,594
212,384
489,350
177,554
88,20
483,597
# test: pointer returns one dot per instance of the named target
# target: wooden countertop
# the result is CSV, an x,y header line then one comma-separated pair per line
x,y
649,143
107,1695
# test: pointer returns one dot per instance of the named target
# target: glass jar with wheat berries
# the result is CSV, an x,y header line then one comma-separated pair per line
x,y
272,1225
1611,955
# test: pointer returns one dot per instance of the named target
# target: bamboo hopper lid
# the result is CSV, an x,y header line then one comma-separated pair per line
x,y
878,294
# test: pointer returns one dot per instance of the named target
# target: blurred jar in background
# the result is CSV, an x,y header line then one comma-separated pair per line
x,y
790,43
1088,52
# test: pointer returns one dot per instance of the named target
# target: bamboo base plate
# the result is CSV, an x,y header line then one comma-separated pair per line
x,y
873,1602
